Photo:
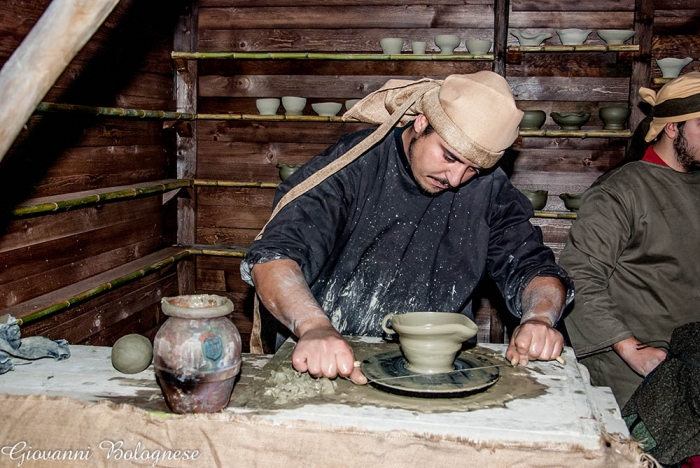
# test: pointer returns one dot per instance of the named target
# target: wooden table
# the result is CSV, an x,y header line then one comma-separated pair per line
x,y
568,416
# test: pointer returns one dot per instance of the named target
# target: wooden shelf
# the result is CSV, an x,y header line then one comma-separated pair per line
x,y
68,201
53,107
232,183
94,286
180,56
576,133
575,48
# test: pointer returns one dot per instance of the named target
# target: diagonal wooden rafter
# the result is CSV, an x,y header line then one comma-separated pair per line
x,y
63,29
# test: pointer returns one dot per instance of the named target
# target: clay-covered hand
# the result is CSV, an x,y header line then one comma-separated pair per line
x,y
534,339
323,352
641,358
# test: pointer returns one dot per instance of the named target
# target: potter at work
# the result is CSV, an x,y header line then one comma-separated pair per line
x,y
411,224
633,252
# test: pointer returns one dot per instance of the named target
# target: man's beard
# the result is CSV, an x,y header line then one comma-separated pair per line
x,y
685,152
422,189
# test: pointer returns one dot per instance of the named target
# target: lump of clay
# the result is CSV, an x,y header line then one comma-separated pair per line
x,y
132,354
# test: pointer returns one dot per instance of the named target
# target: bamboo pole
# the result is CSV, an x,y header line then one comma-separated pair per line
x,y
576,48
53,107
555,215
60,33
321,56
69,201
231,183
104,287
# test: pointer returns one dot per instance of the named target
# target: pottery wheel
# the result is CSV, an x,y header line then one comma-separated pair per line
x,y
388,372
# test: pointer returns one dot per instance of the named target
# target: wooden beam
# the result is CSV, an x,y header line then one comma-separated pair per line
x,y
641,66
186,144
60,33
500,41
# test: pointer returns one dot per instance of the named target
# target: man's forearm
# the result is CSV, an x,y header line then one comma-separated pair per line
x,y
543,299
283,289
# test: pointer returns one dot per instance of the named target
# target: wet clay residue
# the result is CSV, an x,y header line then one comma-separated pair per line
x,y
278,386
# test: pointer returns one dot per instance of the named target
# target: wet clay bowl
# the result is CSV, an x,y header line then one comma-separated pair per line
x,y
614,118
538,198
430,341
532,119
570,120
572,201
447,43
615,36
671,67
327,109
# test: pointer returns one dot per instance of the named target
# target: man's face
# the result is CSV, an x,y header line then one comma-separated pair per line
x,y
436,166
687,145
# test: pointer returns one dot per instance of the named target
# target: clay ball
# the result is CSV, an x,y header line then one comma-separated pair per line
x,y
132,354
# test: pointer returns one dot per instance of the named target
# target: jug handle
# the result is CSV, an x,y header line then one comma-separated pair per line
x,y
385,327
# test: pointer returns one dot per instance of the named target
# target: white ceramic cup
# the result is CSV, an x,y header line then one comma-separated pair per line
x,y
418,47
391,45
327,109
267,106
293,105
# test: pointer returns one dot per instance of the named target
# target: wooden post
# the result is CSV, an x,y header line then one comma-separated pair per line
x,y
63,29
641,66
186,143
500,40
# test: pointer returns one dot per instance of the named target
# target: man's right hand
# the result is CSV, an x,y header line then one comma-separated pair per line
x,y
641,358
323,352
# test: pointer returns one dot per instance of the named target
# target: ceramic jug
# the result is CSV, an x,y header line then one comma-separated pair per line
x,y
430,341
526,39
671,67
197,353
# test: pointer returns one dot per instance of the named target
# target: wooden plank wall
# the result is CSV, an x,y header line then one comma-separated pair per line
x,y
553,82
248,151
126,64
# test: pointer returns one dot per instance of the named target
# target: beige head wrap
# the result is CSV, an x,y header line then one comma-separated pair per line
x,y
677,101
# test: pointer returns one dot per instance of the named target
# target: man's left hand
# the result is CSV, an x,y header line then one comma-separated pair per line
x,y
532,340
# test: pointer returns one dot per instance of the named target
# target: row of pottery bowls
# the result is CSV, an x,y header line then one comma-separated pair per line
x,y
446,42
573,36
614,118
538,198
295,106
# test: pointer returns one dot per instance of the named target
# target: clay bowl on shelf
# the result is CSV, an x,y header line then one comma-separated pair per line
x,y
570,120
538,198
526,39
351,102
391,45
573,36
532,119
478,47
615,36
572,201
327,109
671,67
447,43
293,105
267,106
614,118
287,169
